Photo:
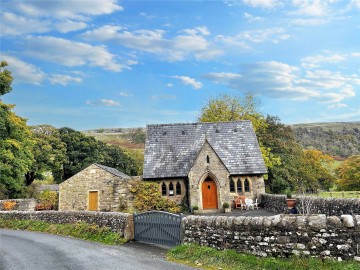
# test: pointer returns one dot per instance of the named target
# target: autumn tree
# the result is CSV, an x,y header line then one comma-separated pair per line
x,y
231,108
15,143
349,174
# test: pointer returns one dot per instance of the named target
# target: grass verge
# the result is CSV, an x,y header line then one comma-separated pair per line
x,y
210,258
81,230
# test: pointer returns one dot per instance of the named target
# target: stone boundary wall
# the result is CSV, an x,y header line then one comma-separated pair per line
x,y
21,204
122,223
327,206
278,236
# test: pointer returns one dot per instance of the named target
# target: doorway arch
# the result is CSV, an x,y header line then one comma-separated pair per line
x,y
209,194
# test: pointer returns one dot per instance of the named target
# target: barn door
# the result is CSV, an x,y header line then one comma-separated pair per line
x,y
209,194
93,200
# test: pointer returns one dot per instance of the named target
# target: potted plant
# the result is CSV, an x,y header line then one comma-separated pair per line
x,y
227,207
195,209
291,202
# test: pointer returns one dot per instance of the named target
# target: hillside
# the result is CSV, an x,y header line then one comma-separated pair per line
x,y
339,139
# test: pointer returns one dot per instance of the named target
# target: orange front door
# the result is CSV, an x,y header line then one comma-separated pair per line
x,y
209,194
93,200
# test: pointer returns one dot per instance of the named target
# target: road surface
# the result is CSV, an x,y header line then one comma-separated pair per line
x,y
22,250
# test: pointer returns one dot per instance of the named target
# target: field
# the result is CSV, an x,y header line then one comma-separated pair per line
x,y
340,194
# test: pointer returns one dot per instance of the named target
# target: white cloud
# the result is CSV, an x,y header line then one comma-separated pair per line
x,y
262,3
125,94
70,53
354,3
189,81
169,85
243,39
337,105
280,80
315,8
12,24
64,80
24,72
314,61
251,18
190,42
308,22
68,26
103,102
70,9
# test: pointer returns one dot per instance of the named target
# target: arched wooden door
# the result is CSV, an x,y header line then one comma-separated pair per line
x,y
209,194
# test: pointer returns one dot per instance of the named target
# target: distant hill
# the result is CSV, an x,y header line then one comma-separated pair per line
x,y
339,139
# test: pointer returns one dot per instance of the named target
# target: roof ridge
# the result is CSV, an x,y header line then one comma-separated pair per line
x,y
111,170
199,123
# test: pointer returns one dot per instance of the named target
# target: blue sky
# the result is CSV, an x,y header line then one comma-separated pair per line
x,y
87,64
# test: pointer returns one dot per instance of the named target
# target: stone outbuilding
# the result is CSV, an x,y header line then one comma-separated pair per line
x,y
207,163
96,188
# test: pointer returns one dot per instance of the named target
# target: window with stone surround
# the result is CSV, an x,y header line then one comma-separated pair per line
x,y
178,188
239,186
207,159
232,185
171,189
247,185
163,189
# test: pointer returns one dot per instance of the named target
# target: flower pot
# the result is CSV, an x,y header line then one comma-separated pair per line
x,y
227,210
291,203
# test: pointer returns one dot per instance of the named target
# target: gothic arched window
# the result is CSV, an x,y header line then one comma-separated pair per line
x,y
232,185
163,189
247,185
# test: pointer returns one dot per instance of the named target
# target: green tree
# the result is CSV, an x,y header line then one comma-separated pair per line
x,y
5,79
49,153
15,144
230,108
349,174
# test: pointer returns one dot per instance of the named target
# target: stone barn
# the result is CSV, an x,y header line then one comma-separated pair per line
x,y
96,188
209,163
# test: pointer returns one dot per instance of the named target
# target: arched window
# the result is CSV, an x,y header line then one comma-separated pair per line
x,y
239,186
163,189
171,189
178,188
232,185
247,185
208,159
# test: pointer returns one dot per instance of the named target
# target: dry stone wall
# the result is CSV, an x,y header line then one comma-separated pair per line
x,y
122,223
327,206
278,236
21,204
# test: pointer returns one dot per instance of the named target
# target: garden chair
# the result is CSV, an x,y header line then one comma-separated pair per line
x,y
240,202
256,204
249,203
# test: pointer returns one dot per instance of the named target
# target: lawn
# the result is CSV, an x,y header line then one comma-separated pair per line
x,y
340,194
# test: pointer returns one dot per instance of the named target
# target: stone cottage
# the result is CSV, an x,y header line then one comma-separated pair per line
x,y
96,188
209,163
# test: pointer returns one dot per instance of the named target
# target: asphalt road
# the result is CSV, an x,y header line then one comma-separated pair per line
x,y
37,251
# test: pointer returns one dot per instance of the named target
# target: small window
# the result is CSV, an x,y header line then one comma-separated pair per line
x,y
232,185
178,188
239,186
247,185
208,159
171,189
163,189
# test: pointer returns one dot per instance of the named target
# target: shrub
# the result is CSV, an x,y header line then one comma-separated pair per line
x,y
195,207
148,197
48,200
9,205
226,205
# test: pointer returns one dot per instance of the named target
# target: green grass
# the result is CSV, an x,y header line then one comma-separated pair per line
x,y
81,230
209,258
340,194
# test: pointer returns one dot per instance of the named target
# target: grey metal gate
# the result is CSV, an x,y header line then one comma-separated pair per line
x,y
158,227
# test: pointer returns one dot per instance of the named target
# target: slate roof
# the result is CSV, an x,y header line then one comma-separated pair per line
x,y
171,149
112,171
